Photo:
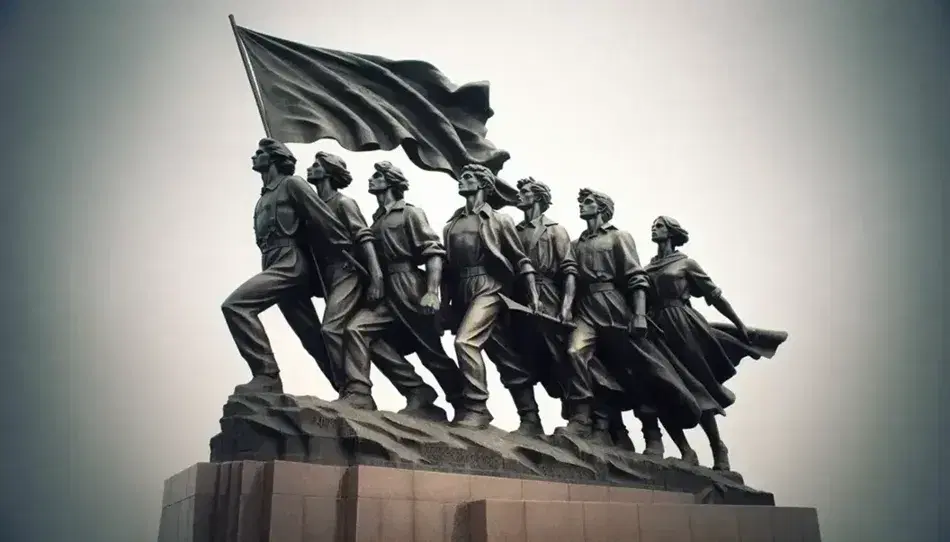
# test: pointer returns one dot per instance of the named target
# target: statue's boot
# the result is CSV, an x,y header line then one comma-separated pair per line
x,y
420,403
652,436
527,408
356,399
268,382
720,456
579,421
619,433
687,454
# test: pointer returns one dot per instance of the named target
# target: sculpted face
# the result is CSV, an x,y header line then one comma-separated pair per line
x,y
260,161
526,197
588,207
659,232
377,183
468,183
316,172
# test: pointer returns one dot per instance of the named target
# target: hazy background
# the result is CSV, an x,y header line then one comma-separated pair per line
x,y
802,144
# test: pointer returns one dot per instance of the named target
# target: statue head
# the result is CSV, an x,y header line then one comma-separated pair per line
x,y
593,203
388,177
330,167
475,177
271,152
666,228
530,192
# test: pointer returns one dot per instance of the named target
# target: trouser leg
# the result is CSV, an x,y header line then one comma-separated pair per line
x,y
343,302
581,346
302,318
473,333
242,311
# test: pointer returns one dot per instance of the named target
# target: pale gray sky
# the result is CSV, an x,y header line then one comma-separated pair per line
x,y
761,128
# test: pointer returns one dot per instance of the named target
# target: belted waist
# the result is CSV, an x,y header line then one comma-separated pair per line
x,y
469,272
670,303
594,287
545,278
400,267
274,242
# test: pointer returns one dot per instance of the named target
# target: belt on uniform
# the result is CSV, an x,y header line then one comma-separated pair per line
x,y
546,278
400,267
469,272
594,287
274,242
671,303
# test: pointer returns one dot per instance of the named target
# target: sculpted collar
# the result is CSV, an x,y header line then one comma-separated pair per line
x,y
536,223
273,184
483,210
397,205
606,227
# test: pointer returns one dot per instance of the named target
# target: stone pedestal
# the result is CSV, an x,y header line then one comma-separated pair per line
x,y
282,501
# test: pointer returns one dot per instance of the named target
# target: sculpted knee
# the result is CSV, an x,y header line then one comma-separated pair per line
x,y
229,306
464,343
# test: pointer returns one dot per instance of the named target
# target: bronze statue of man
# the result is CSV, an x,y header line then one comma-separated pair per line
x,y
610,319
289,219
484,259
548,245
349,282
407,321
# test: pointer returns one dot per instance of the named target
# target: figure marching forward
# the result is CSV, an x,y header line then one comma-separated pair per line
x,y
485,258
289,221
407,321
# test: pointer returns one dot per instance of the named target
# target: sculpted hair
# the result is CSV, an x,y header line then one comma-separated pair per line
x,y
605,205
541,191
280,155
340,177
394,177
678,234
486,179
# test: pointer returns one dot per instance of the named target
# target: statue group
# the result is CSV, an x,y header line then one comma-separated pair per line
x,y
581,318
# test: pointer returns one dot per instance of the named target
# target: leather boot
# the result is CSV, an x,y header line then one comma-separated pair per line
x,y
600,428
720,457
579,423
652,436
528,411
361,399
261,383
687,454
472,415
619,433
421,404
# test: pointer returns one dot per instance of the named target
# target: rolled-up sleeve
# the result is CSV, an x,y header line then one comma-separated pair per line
x,y
700,285
628,262
563,250
423,240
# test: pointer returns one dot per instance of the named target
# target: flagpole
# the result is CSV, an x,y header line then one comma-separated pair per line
x,y
250,76
260,109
